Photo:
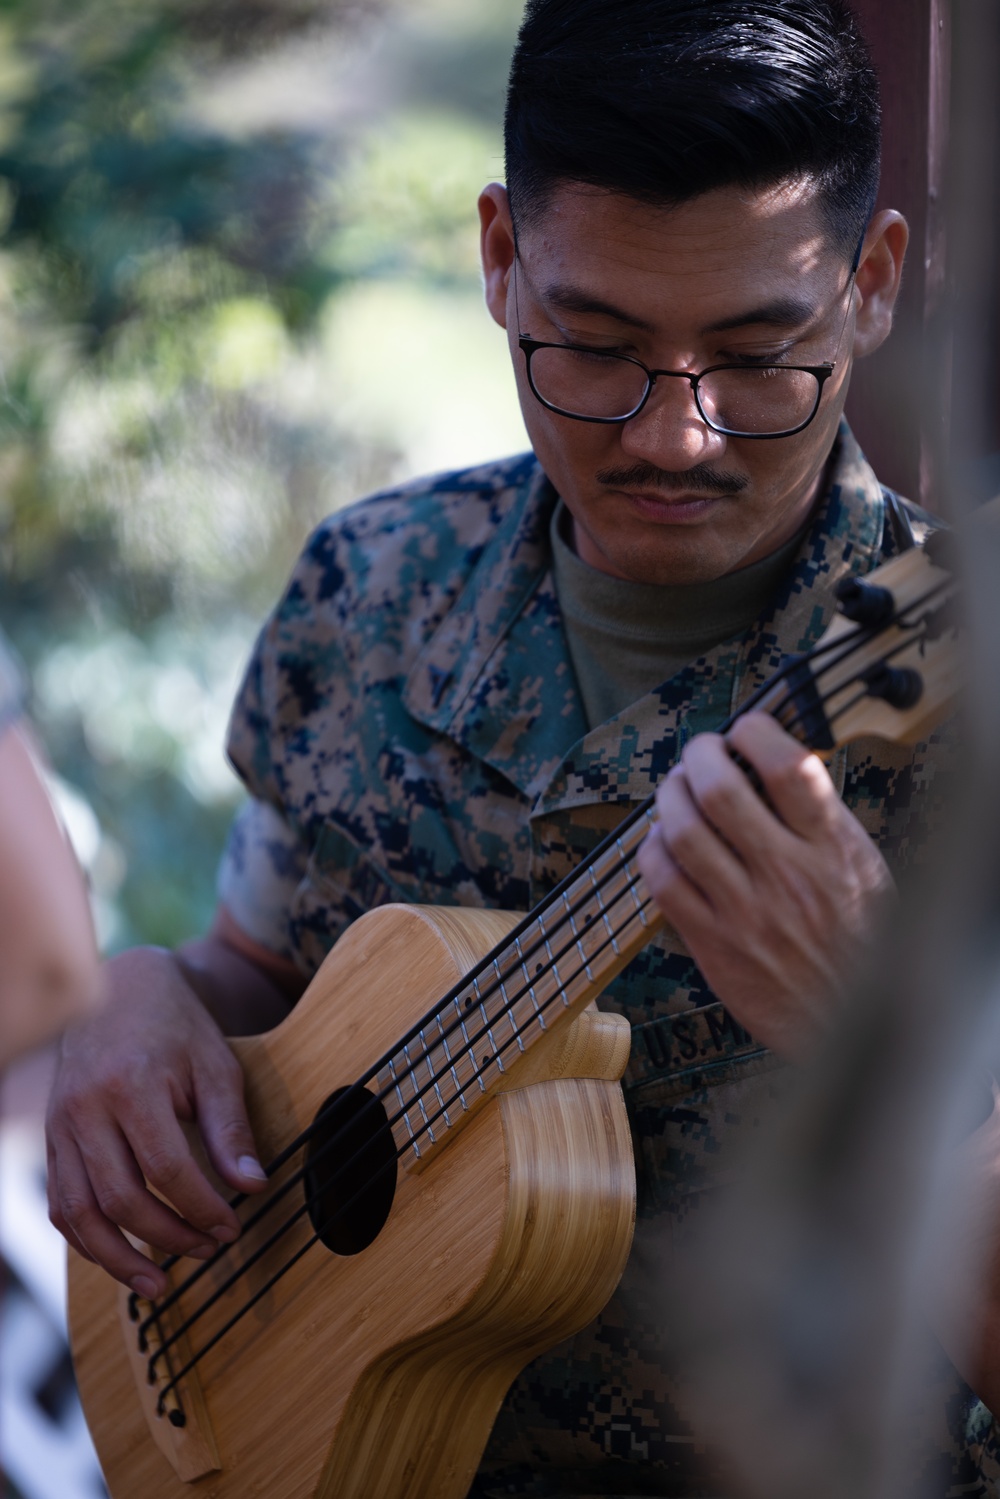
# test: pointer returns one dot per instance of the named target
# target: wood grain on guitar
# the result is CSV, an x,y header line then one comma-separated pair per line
x,y
451,1180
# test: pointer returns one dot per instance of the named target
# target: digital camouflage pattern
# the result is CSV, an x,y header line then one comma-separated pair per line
x,y
410,729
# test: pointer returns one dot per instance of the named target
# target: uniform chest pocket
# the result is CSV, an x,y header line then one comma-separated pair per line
x,y
697,1084
353,879
342,881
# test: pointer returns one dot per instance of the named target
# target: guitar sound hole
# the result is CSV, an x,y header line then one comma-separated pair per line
x,y
350,1173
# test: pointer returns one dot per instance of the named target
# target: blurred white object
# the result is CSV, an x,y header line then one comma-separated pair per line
x,y
47,1452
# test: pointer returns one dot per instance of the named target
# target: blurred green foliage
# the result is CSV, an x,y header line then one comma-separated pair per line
x,y
230,231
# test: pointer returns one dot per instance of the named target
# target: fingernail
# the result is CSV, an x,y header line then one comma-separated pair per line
x,y
248,1165
142,1285
202,1251
223,1234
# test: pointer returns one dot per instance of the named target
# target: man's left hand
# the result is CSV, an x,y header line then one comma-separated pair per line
x,y
774,902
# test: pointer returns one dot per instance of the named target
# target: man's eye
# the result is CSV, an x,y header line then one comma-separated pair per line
x,y
595,357
754,360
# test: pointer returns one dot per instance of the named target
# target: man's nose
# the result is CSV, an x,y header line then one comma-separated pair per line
x,y
670,432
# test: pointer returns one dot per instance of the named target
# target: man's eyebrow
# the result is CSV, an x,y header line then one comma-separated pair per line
x,y
782,312
569,298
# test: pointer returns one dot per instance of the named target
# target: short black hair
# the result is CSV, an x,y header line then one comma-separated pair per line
x,y
663,100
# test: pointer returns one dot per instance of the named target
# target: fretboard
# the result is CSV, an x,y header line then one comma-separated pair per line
x,y
555,962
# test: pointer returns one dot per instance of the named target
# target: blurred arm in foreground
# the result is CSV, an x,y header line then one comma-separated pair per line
x,y
49,973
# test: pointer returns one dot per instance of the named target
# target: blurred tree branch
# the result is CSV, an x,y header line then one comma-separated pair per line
x,y
103,168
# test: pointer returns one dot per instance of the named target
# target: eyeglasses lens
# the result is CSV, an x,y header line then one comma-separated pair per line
x,y
758,400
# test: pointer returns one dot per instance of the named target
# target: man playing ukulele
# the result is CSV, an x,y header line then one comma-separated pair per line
x,y
472,678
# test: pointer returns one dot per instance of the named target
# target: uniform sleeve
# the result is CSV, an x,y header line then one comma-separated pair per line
x,y
251,730
266,856
262,868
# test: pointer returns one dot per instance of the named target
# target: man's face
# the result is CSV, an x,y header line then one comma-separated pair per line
x,y
729,277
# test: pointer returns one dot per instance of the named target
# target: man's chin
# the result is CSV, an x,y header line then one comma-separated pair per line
x,y
665,557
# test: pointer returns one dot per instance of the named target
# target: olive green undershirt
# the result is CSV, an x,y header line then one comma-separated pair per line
x,y
627,638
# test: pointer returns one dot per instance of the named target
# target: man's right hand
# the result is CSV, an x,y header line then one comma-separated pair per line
x,y
126,1078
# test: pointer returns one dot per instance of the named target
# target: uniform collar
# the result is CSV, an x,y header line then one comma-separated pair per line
x,y
488,675
496,675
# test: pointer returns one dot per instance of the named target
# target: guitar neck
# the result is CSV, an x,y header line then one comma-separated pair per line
x,y
554,963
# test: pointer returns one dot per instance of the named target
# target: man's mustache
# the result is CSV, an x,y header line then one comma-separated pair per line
x,y
702,479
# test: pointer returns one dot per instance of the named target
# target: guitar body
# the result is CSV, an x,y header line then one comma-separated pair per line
x,y
378,1374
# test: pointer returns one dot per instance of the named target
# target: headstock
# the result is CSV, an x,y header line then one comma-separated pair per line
x,y
890,663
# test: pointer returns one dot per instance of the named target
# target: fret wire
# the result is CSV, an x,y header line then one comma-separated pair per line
x,y
447,1056
494,1049
509,1007
553,966
459,1090
486,1030
405,1116
464,1056
531,988
561,989
571,915
617,869
418,1098
603,912
399,1094
433,1078
467,1054
612,870
632,891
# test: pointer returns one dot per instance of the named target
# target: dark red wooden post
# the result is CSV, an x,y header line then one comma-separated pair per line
x,y
899,397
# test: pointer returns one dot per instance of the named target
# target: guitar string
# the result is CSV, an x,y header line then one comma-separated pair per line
x,y
553,933
436,1078
514,1038
341,1210
846,644
474,1041
344,1207
554,1000
799,720
772,683
283,1270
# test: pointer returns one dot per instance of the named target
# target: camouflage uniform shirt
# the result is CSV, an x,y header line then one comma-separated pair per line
x,y
410,729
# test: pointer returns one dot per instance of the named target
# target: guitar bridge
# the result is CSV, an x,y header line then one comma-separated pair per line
x,y
176,1414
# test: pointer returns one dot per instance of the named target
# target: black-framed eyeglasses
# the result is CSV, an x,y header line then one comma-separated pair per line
x,y
737,400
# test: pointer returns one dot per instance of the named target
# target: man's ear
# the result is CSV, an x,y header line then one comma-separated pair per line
x,y
496,246
878,276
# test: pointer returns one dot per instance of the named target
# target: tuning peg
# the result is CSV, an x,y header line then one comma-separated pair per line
x,y
865,603
899,686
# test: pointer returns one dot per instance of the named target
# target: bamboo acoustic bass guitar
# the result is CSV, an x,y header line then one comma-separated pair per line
x,y
451,1186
